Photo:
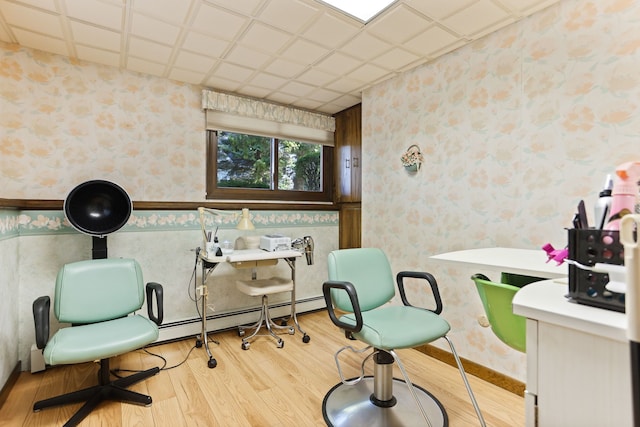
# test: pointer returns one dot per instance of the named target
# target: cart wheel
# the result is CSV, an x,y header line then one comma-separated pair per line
x,y
212,363
280,344
306,338
292,330
245,345
198,343
283,322
240,332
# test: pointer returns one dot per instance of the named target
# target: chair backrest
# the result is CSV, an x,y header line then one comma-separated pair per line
x,y
368,270
98,290
497,300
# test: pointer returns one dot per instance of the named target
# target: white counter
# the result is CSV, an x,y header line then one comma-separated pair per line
x,y
545,301
577,360
528,262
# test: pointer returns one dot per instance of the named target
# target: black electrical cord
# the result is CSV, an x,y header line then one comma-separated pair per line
x,y
193,298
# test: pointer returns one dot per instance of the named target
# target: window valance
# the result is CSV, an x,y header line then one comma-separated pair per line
x,y
246,115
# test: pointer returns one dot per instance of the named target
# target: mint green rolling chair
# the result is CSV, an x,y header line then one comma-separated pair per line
x,y
497,301
98,298
360,285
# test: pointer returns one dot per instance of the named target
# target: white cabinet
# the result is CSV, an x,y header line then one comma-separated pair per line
x,y
578,367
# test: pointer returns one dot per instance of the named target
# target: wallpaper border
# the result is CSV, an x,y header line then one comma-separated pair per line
x,y
32,223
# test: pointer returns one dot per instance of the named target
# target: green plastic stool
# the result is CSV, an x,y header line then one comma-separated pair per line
x,y
497,302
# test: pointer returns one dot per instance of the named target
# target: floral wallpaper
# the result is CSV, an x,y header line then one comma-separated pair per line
x,y
515,130
66,121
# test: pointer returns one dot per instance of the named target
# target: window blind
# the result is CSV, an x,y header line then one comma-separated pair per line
x,y
254,117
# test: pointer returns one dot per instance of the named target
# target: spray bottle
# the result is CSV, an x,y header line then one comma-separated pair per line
x,y
603,204
624,194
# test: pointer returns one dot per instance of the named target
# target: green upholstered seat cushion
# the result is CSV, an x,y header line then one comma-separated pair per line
x,y
85,343
395,327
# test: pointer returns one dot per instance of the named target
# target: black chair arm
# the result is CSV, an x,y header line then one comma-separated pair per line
x,y
155,288
353,297
41,320
420,275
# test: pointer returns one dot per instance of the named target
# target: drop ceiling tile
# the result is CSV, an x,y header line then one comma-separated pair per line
x,y
339,63
247,57
40,42
304,52
346,85
368,72
4,36
398,25
217,22
90,35
247,7
254,91
307,104
527,7
194,62
42,4
233,72
220,83
155,30
395,59
330,31
205,45
323,95
96,12
149,50
431,41
438,9
188,76
365,46
166,10
284,68
99,56
145,67
316,77
289,16
32,19
265,38
283,98
476,17
297,89
266,80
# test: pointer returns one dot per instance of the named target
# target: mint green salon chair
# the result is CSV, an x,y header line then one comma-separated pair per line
x,y
360,286
98,298
497,300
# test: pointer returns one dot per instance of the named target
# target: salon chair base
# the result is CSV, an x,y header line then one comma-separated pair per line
x,y
106,390
351,405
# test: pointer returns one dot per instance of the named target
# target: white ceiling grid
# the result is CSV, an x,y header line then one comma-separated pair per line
x,y
296,52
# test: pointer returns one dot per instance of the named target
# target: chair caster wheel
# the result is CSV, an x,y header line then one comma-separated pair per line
x,y
212,363
245,345
306,338
280,344
198,343
291,331
240,332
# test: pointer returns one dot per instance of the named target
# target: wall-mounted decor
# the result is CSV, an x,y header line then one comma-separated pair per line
x,y
412,159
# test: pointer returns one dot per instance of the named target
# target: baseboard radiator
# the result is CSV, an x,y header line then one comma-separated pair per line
x,y
220,321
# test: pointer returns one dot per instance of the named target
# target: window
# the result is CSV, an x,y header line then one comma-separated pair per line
x,y
251,167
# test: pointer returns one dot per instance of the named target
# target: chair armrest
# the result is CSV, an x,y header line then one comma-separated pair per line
x,y
41,320
353,297
155,288
420,275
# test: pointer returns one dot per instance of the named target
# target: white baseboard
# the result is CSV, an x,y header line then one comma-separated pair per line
x,y
216,322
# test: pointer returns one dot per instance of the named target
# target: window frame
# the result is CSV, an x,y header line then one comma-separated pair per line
x,y
213,192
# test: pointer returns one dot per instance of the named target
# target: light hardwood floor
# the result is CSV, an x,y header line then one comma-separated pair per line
x,y
262,386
